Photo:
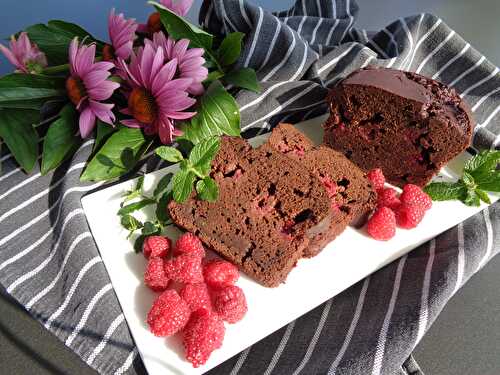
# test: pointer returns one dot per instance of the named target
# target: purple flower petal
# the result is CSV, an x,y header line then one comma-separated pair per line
x,y
180,48
132,123
146,60
10,56
179,84
95,78
165,130
86,122
103,91
156,65
196,89
180,115
103,65
165,75
103,111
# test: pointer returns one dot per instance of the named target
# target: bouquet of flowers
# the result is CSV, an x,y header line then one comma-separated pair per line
x,y
151,85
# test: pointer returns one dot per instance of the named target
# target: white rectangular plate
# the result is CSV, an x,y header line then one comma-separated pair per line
x,y
350,258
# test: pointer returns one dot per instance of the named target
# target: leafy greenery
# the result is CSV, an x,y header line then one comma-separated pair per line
x,y
17,131
61,139
480,175
230,48
170,154
244,78
207,189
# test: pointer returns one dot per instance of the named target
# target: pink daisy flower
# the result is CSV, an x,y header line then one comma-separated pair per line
x,y
88,85
190,61
179,7
157,100
24,55
121,34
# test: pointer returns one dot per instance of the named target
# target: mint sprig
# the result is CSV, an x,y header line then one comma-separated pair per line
x,y
479,176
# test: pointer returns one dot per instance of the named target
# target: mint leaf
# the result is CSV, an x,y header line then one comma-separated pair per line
x,y
183,185
482,163
490,181
130,223
178,28
161,208
483,196
170,154
468,180
471,198
202,154
244,78
18,133
162,185
230,48
61,140
129,208
140,183
150,229
444,191
207,189
217,114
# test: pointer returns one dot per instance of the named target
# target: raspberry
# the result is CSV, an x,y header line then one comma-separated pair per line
x,y
168,315
220,272
156,246
382,225
188,243
184,269
154,277
196,296
388,197
409,215
230,303
376,176
203,334
414,195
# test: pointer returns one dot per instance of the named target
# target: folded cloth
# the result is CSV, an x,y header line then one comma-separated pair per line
x,y
50,264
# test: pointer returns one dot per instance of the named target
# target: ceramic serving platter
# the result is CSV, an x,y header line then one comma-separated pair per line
x,y
348,259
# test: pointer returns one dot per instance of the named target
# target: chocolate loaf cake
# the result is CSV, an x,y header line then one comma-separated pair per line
x,y
352,196
268,211
404,123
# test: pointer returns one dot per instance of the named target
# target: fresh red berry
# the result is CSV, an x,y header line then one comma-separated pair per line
x,y
409,215
154,277
220,272
185,269
169,314
414,195
230,303
188,243
382,225
388,197
376,176
196,296
156,246
203,334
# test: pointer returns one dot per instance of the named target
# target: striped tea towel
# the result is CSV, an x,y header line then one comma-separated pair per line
x,y
50,264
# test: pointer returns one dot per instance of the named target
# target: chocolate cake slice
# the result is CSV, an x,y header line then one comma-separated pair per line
x,y
404,123
268,211
352,196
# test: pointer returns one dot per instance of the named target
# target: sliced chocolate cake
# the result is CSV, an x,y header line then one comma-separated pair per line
x,y
352,196
404,123
269,208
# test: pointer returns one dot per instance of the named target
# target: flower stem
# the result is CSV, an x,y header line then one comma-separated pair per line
x,y
56,69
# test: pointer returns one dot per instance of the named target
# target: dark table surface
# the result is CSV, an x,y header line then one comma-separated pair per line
x,y
464,339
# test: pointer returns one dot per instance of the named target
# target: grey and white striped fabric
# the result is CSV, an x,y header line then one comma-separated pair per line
x,y
50,264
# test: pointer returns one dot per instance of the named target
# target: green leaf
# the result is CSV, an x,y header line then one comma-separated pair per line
x,y
445,191
230,48
490,182
213,76
54,39
483,196
182,185
139,241
178,28
130,223
150,229
202,154
244,78
207,189
162,185
217,114
61,140
483,162
103,132
170,154
117,156
129,208
16,130
468,180
161,208
29,91
471,198
140,183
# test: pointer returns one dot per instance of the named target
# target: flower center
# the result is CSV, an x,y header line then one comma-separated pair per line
x,y
76,90
143,106
154,23
108,53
